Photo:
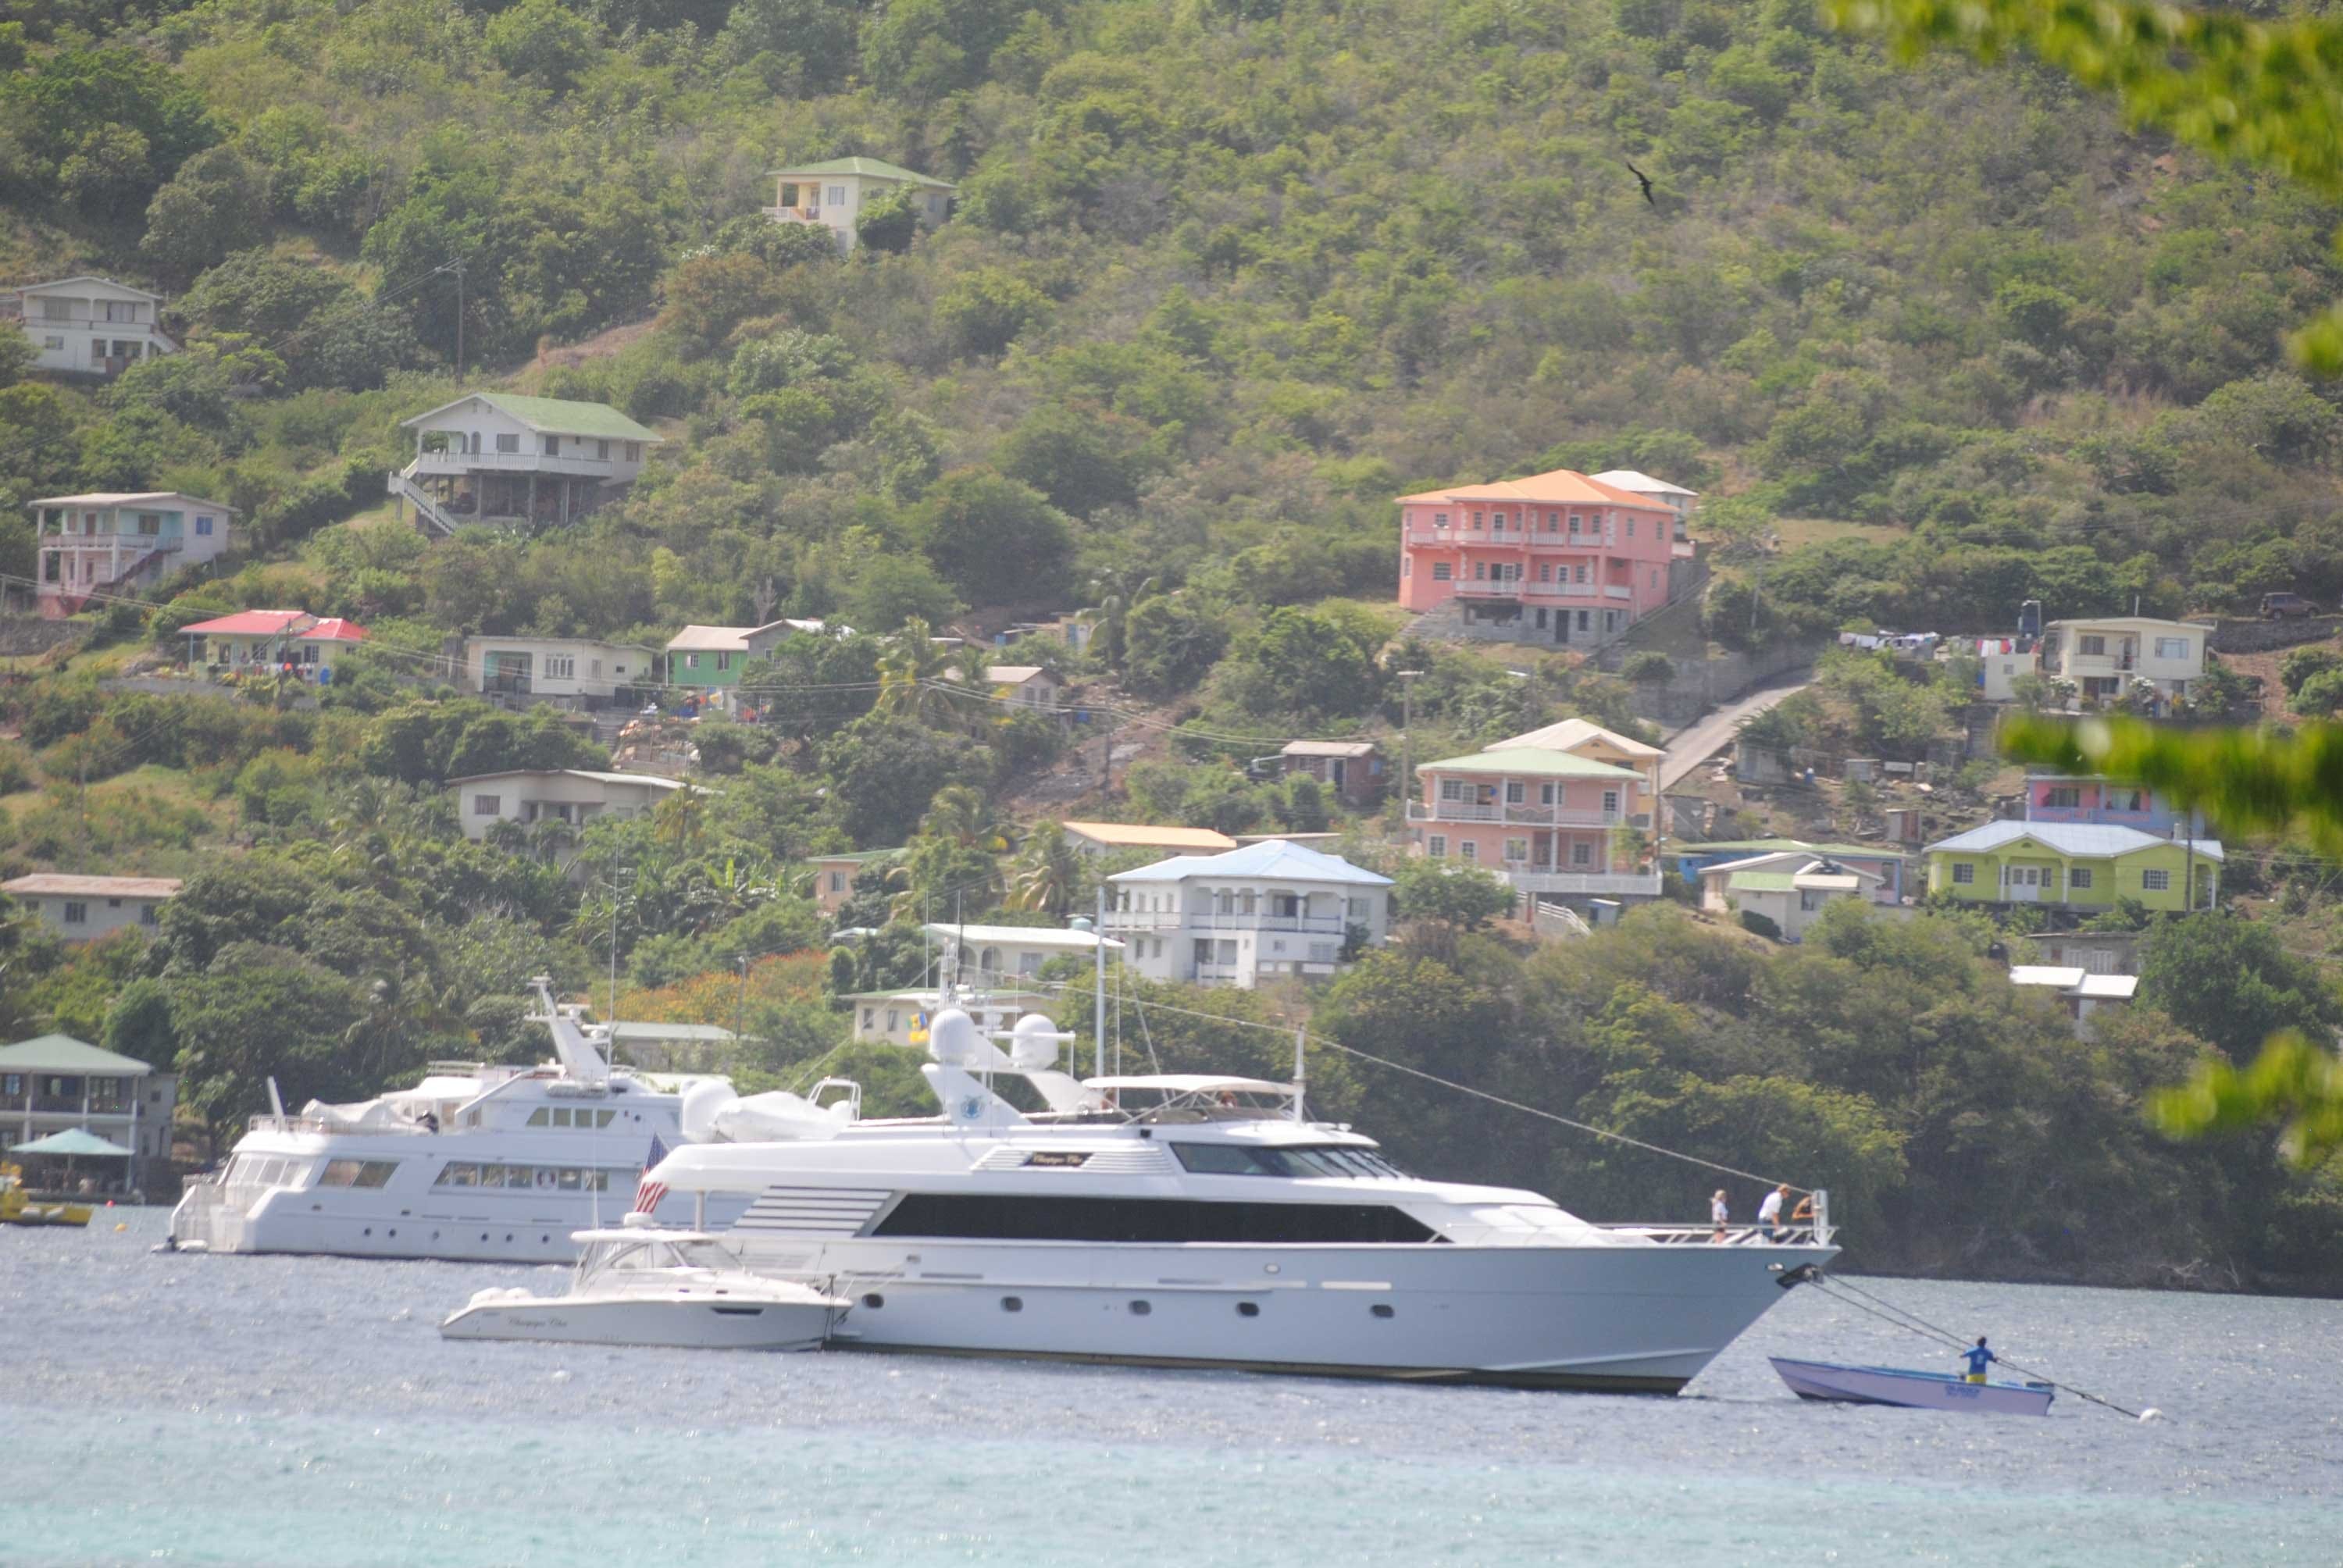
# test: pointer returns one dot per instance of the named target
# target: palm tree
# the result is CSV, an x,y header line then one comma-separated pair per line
x,y
681,818
1049,874
1118,589
964,816
907,673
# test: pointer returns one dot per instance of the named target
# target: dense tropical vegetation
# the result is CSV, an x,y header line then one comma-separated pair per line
x,y
1222,277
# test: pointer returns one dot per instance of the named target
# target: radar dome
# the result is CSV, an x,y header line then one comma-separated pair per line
x,y
1033,1043
696,1113
952,1038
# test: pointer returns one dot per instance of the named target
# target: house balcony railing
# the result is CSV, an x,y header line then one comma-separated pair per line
x,y
1521,588
459,463
1518,814
1613,590
793,213
1593,884
506,684
1185,919
1508,539
61,1105
141,543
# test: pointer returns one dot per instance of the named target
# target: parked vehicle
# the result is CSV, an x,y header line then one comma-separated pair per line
x,y
2279,606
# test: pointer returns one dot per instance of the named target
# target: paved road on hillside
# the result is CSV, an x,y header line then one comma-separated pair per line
x,y
1693,746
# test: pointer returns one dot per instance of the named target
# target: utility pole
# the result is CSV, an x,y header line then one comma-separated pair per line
x,y
740,1008
1407,679
457,268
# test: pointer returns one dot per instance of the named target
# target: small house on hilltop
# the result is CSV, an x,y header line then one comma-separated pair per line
x,y
834,192
90,325
1352,770
84,908
1113,838
499,456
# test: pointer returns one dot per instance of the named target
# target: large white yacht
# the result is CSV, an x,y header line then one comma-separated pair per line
x,y
479,1160
1200,1220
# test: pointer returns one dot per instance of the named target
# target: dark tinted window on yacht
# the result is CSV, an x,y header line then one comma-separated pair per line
x,y
1237,1159
1045,1218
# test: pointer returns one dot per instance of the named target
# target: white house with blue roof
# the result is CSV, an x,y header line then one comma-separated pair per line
x,y
1269,909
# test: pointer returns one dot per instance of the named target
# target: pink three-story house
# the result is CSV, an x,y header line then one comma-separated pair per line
x,y
1558,558
1547,821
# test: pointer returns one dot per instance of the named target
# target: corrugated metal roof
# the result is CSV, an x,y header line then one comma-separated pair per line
x,y
2064,977
1534,762
655,780
250,623
1761,882
1560,487
59,882
1273,858
1140,836
2091,841
871,168
1011,935
1327,748
1630,479
1574,733
552,416
64,1053
128,498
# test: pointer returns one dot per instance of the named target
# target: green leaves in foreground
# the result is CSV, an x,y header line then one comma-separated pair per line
x,y
2263,93
2291,1082
2250,781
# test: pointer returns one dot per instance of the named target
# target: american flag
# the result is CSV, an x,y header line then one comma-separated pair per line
x,y
648,1192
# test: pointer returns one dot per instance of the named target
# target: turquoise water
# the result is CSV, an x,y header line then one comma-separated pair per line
x,y
262,1411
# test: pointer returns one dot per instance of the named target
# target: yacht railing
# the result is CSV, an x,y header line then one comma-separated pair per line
x,y
1803,1234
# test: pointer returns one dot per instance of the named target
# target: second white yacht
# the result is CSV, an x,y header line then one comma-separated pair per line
x,y
481,1162
1200,1220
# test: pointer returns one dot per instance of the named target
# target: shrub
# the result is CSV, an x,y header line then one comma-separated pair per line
x,y
1751,920
1652,668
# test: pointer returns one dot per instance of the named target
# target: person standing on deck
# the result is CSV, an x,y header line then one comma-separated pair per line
x,y
1717,1211
1769,1213
1979,1357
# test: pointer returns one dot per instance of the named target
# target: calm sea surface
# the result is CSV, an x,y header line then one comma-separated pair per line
x,y
303,1411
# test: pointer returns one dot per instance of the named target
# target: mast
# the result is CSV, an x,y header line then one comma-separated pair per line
x,y
1098,973
1301,1070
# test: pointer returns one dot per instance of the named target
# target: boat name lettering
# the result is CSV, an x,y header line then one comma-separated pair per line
x,y
1057,1158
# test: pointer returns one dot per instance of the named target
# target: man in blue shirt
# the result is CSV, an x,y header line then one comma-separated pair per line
x,y
1978,1358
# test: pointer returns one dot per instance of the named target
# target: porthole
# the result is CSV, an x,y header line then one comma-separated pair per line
x,y
1382,1310
1012,1303
393,1232
1248,1309
484,1235
367,1231
874,1300
507,1235
1139,1309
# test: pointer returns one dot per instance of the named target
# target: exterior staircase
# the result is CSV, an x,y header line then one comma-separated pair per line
x,y
430,518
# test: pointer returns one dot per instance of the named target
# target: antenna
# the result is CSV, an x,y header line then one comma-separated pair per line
x,y
1098,974
1301,1070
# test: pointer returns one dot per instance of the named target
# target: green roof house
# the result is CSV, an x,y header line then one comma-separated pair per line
x,y
833,193
54,1083
1549,821
499,456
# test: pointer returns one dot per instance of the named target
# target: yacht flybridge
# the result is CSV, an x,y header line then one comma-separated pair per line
x,y
1198,1221
479,1160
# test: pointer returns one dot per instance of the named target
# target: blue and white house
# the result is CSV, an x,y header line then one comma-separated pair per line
x,y
119,541
1269,909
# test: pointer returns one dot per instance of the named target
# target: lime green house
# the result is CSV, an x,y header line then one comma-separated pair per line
x,y
2083,866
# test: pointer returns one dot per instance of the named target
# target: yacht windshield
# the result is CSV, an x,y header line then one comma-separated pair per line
x,y
1310,1159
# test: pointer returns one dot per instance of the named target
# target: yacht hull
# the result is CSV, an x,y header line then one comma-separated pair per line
x,y
478,1225
1624,1318
739,1325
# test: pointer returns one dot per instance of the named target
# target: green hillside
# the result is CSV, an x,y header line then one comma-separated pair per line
x,y
1220,279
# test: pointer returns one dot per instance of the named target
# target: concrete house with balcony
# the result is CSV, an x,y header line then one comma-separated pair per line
x,y
984,956
566,671
1549,822
119,542
711,657
1584,737
270,637
2063,798
573,795
2081,867
1556,560
833,193
90,325
901,1017
1790,889
84,908
55,1083
1269,909
501,457
2102,657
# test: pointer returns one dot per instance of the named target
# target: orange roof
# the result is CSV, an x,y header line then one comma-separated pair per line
x,y
334,629
1566,487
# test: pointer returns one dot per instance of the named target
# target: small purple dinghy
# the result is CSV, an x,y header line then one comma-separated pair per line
x,y
1915,1389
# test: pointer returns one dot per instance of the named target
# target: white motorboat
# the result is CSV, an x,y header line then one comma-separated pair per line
x,y
482,1162
1203,1220
647,1286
